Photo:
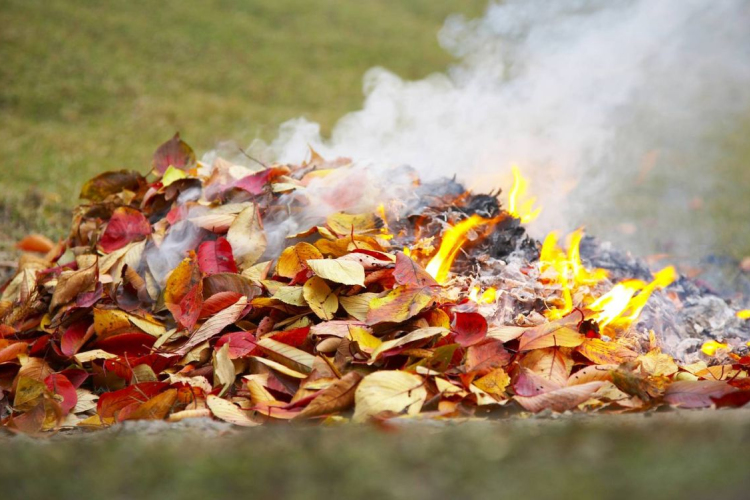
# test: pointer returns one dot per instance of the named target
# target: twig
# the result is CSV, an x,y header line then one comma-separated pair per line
x,y
254,159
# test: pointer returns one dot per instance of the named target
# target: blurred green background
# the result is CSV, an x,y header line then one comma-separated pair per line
x,y
92,85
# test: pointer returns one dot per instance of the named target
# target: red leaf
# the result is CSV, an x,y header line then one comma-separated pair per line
x,y
216,257
134,344
126,225
218,302
110,403
241,344
485,357
469,328
59,384
176,153
408,272
696,394
76,376
74,337
254,183
733,399
123,366
183,294
294,338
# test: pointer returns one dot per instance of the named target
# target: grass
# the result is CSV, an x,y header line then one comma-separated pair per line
x,y
94,85
664,456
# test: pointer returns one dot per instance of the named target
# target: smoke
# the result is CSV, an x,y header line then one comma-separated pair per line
x,y
605,104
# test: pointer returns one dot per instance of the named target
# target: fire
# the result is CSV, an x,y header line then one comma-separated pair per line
x,y
622,305
569,270
385,231
744,314
710,347
453,239
523,210
488,296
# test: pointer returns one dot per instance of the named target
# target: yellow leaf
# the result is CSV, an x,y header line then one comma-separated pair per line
x,y
223,368
346,272
657,363
388,391
357,305
320,298
228,412
247,238
494,382
345,224
85,357
400,304
289,356
29,393
367,341
171,175
292,295
292,260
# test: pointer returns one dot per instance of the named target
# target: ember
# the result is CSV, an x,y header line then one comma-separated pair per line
x,y
279,294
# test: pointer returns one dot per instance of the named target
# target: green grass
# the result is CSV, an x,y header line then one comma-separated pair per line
x,y
91,85
678,455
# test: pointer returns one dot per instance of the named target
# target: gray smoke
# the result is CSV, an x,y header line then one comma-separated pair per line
x,y
605,104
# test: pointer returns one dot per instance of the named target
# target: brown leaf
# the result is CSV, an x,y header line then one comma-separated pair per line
x,y
553,334
215,324
605,353
408,272
109,183
35,243
183,294
69,285
339,396
559,400
156,408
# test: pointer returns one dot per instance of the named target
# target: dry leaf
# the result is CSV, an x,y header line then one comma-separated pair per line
x,y
345,272
389,391
320,298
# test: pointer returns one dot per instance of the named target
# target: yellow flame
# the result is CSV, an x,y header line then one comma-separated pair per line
x,y
622,305
440,265
385,231
523,210
407,251
487,297
569,270
744,314
710,347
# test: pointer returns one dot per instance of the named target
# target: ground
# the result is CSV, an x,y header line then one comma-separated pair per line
x,y
96,85
685,455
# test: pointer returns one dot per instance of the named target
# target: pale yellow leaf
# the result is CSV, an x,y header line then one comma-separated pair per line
x,y
320,298
346,272
228,412
419,334
392,391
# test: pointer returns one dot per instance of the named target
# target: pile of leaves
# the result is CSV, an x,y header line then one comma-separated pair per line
x,y
102,328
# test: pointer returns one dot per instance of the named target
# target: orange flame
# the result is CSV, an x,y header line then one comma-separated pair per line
x,y
453,239
521,210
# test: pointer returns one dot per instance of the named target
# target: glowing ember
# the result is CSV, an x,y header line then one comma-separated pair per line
x,y
519,209
710,347
453,239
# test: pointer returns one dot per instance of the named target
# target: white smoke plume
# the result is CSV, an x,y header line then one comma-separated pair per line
x,y
586,96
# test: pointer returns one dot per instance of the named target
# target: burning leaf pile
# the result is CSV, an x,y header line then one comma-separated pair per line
x,y
267,295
